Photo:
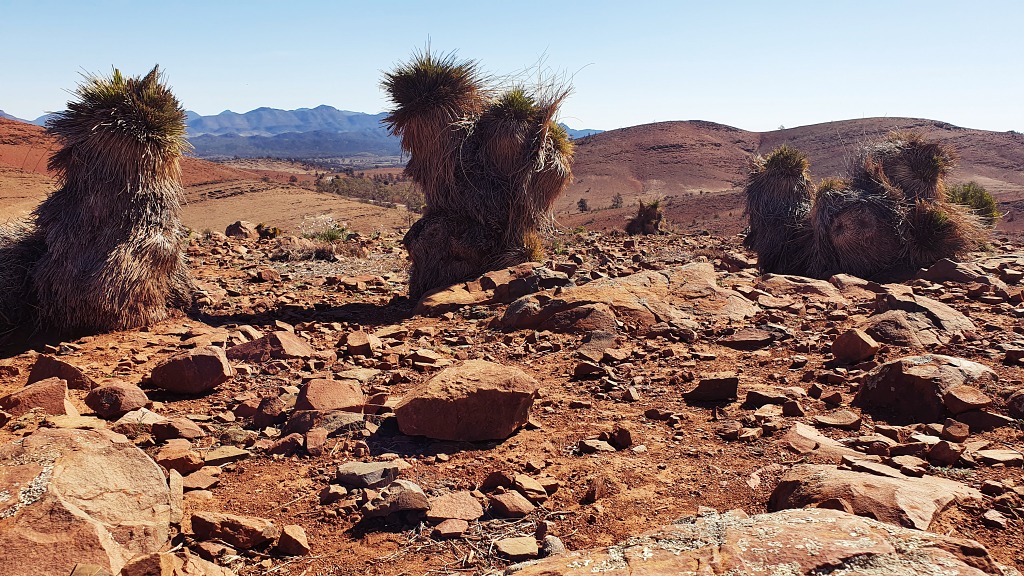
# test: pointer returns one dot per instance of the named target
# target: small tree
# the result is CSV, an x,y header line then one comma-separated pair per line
x,y
583,205
617,200
975,197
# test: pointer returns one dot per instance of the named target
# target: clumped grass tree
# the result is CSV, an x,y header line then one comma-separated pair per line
x,y
490,164
105,251
891,217
647,219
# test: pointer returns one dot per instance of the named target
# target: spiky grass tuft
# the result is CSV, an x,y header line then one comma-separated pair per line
x,y
647,219
938,230
889,218
854,231
911,163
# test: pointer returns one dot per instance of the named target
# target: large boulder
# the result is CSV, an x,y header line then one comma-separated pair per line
x,y
893,498
927,388
69,496
475,401
194,372
116,399
811,541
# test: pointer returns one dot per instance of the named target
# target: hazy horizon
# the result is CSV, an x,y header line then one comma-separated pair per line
x,y
745,64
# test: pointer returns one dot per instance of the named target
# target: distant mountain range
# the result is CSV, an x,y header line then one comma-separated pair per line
x,y
321,132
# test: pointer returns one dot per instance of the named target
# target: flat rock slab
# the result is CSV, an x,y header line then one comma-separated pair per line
x,y
715,387
47,366
50,395
748,339
90,495
926,388
677,296
456,505
243,532
367,474
472,402
910,502
803,439
274,346
811,541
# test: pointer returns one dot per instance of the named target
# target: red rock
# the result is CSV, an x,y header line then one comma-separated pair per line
x,y
451,528
178,427
476,401
842,419
511,504
194,372
47,366
359,343
913,389
321,394
293,541
854,346
281,345
286,446
184,460
86,496
242,532
715,387
904,501
316,439
200,480
776,543
242,229
116,399
748,339
456,505
960,399
518,548
50,395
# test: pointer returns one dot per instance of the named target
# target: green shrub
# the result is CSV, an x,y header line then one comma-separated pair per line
x,y
974,196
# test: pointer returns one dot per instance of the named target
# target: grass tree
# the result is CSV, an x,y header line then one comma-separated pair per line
x,y
105,251
490,163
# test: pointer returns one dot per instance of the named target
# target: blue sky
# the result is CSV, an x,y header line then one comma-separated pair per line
x,y
754,65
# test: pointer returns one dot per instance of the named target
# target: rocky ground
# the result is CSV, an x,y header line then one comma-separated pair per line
x,y
634,403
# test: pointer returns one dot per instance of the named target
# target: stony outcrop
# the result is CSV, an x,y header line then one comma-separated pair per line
x,y
90,495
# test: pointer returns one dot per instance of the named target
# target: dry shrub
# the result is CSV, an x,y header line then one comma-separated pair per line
x,y
111,241
490,164
647,219
778,201
940,230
